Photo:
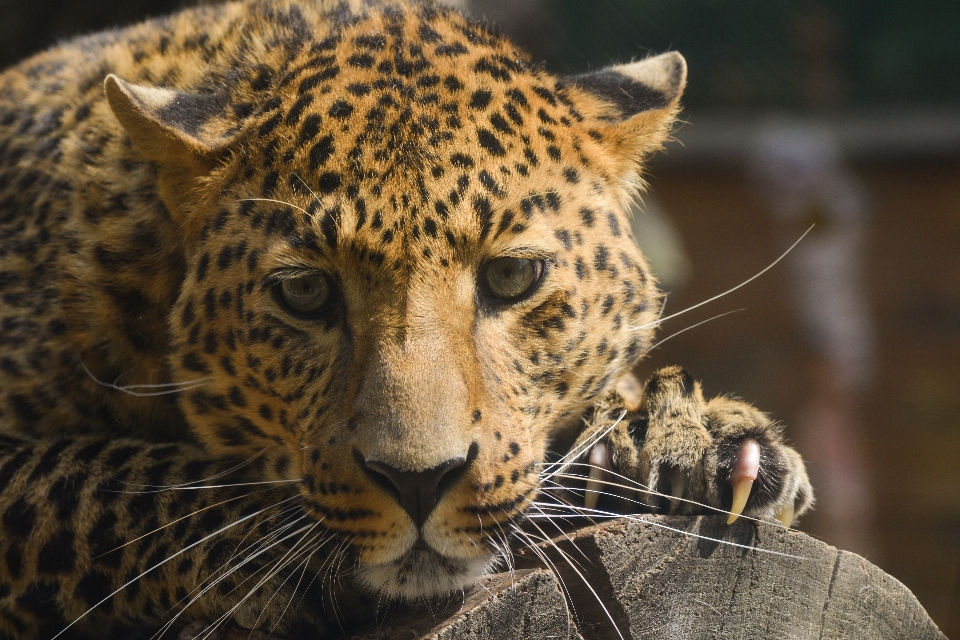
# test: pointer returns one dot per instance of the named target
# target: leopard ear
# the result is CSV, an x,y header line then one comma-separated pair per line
x,y
167,128
635,104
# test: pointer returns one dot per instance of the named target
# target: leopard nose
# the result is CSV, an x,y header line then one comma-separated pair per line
x,y
418,492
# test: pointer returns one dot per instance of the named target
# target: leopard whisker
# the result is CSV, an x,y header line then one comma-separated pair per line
x,y
560,501
317,545
168,387
291,520
283,202
504,551
332,573
307,187
693,326
212,627
566,558
634,518
314,574
659,321
219,474
173,522
209,583
282,564
162,488
633,485
575,453
161,563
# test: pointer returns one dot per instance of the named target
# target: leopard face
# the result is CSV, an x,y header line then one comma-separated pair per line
x,y
407,264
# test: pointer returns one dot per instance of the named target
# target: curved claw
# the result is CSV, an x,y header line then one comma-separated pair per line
x,y
600,463
678,484
785,515
744,472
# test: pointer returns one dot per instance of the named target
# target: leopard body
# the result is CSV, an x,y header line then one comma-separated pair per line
x,y
161,187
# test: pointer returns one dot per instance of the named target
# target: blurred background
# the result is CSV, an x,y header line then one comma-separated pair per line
x,y
844,115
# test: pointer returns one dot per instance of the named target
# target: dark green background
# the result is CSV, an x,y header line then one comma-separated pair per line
x,y
742,53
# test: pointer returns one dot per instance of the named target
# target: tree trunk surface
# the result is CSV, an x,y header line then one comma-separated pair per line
x,y
675,578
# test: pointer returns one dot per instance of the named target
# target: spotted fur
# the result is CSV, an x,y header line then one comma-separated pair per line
x,y
158,184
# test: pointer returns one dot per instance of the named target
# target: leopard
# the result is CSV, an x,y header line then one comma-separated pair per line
x,y
304,304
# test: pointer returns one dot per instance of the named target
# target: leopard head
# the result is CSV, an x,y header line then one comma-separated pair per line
x,y
410,267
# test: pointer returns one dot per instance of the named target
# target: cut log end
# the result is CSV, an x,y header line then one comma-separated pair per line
x,y
661,577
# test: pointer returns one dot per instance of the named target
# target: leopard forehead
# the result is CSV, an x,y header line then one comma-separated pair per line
x,y
417,136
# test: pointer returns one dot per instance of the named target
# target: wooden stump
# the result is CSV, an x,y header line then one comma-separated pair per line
x,y
670,578
677,578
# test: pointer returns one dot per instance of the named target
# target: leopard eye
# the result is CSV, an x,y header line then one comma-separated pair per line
x,y
511,278
306,294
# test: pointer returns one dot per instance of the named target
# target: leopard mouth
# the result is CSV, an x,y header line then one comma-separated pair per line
x,y
423,573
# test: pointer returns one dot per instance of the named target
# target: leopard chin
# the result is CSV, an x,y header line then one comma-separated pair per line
x,y
423,573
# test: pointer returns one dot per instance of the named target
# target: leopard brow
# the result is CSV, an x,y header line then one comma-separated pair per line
x,y
286,273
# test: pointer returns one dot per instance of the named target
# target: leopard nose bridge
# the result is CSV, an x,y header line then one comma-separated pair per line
x,y
418,492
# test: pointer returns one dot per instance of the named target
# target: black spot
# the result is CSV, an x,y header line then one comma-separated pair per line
x,y
600,258
587,216
12,465
321,152
614,224
607,305
452,84
191,362
19,518
330,223
40,599
374,41
281,222
490,184
14,557
329,182
267,127
314,80
293,116
48,461
361,60
481,207
310,129
359,89
490,142
553,200
500,124
236,397
94,588
88,453
580,268
461,161
341,109
480,99
451,50
58,554
202,266
546,94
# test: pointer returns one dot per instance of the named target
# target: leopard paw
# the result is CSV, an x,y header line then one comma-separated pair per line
x,y
757,474
670,450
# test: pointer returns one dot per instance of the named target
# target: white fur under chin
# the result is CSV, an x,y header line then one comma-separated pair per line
x,y
425,574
